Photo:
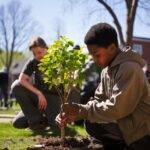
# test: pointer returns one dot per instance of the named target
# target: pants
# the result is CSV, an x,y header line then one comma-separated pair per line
x,y
111,137
28,102
4,94
108,134
141,144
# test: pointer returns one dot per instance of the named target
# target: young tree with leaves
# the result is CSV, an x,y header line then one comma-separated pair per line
x,y
62,68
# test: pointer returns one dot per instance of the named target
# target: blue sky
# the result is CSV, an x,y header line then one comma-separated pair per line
x,y
74,21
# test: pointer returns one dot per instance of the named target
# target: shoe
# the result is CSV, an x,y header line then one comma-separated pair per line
x,y
95,144
40,125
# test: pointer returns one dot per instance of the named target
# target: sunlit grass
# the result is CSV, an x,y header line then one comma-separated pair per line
x,y
11,111
20,139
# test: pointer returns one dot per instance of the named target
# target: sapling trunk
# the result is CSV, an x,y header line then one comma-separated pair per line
x,y
63,133
62,128
63,66
64,100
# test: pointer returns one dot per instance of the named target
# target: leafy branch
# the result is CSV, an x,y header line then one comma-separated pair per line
x,y
62,67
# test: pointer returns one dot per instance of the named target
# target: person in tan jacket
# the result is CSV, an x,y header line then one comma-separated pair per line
x,y
123,95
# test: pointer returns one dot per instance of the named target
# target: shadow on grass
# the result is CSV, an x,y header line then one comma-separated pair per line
x,y
69,131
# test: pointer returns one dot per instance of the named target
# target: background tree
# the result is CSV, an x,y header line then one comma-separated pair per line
x,y
16,27
59,27
132,8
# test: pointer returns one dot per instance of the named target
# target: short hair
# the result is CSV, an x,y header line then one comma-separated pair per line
x,y
101,34
37,42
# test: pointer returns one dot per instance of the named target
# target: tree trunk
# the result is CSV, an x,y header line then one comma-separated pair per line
x,y
62,133
62,128
115,19
131,12
61,114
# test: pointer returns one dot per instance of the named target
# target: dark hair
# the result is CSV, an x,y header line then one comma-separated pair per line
x,y
101,34
37,42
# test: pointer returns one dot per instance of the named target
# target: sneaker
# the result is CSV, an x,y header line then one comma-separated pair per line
x,y
95,144
40,125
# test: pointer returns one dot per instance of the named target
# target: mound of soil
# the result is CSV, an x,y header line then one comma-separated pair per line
x,y
70,143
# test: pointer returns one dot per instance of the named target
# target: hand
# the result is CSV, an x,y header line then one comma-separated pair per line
x,y
61,120
71,110
69,114
42,101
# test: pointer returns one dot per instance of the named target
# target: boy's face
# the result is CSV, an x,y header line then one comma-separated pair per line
x,y
38,52
102,56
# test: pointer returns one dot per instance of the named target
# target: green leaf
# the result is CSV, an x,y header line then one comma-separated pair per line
x,y
62,65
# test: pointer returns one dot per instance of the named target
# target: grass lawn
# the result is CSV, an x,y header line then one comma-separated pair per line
x,y
11,111
20,139
14,139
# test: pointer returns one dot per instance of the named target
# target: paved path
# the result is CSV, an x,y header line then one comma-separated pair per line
x,y
6,118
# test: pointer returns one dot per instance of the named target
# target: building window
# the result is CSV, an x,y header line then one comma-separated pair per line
x,y
138,48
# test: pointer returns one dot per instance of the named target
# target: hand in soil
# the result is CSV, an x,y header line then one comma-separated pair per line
x,y
70,114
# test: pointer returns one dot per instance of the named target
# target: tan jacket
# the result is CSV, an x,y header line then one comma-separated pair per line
x,y
123,95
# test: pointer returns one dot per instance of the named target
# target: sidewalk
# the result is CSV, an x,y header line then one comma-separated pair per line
x,y
6,118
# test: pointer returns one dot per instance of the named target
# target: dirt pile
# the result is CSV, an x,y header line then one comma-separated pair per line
x,y
70,143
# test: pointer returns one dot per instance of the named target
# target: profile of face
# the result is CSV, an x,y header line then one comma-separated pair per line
x,y
101,55
39,52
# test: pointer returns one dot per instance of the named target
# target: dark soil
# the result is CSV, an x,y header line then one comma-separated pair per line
x,y
70,143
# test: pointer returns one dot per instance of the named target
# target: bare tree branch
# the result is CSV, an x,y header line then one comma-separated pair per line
x,y
131,13
16,26
93,11
116,21
4,32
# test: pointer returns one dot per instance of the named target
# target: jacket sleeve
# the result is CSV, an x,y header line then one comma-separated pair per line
x,y
126,94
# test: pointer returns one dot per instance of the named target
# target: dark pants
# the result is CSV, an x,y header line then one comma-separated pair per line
x,y
4,94
28,102
141,144
111,137
107,133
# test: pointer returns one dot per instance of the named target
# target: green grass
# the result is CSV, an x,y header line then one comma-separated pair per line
x,y
20,139
15,139
77,130
18,143
11,111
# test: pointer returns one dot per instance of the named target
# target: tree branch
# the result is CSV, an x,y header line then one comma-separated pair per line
x,y
16,27
4,33
116,21
131,13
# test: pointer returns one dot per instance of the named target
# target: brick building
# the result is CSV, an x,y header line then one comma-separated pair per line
x,y
142,46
